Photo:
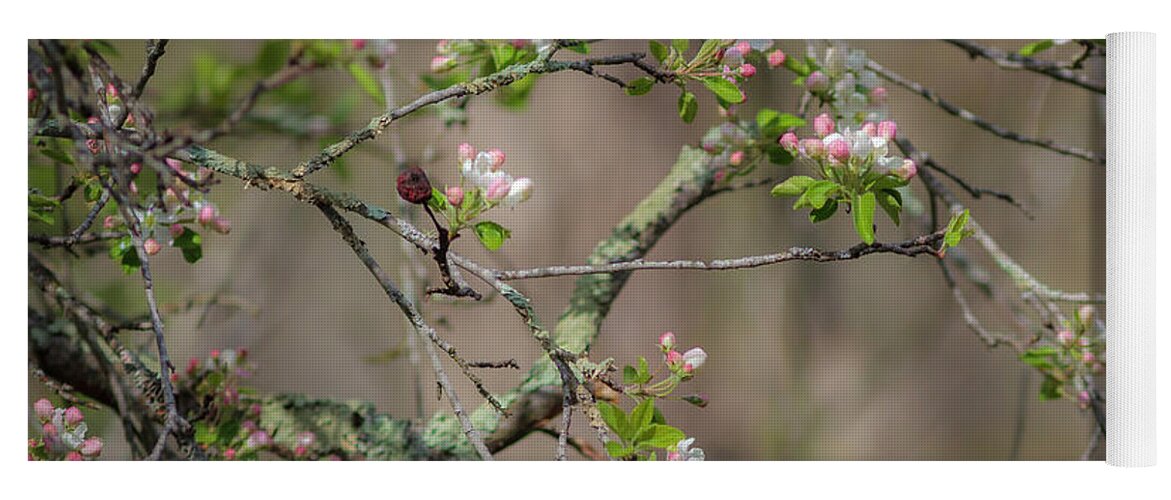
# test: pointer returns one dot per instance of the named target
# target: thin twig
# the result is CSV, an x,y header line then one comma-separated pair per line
x,y
969,117
421,327
47,241
154,50
1009,60
926,244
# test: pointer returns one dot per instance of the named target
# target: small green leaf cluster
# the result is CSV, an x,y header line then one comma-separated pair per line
x,y
641,434
739,146
462,60
1068,362
707,67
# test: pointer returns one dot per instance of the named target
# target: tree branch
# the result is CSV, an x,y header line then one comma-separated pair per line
x,y
967,116
1009,60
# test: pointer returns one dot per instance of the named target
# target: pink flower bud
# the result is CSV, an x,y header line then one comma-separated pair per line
x,y
519,43
442,63
721,175
151,246
206,214
776,58
249,426
230,454
93,145
838,149
908,170
667,341
1065,337
259,439
747,70
192,365
887,130
813,148
306,438
221,225
135,168
674,358
358,44
44,409
736,159
497,158
466,152
817,82
73,456
870,128
177,230
215,354
455,195
108,222
255,409
823,125
498,189
93,120
1083,398
175,165
674,456
300,451
112,91
743,48
878,95
32,94
1089,358
788,141
133,187
91,447
73,416
231,396
49,430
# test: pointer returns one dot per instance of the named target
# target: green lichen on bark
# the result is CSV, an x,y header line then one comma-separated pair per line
x,y
351,429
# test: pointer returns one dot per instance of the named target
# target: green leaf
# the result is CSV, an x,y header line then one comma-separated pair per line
x,y
1050,389
226,431
688,106
1035,48
660,436
204,434
1041,357
891,202
368,83
825,212
644,371
793,186
724,89
956,229
272,56
616,450
706,51
773,123
93,191
796,65
640,86
491,234
438,201
864,217
191,243
681,45
819,192
123,253
641,416
580,48
615,419
658,50
57,155
629,375
778,156
503,55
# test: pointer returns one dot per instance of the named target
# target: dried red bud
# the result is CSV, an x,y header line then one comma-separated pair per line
x,y
413,186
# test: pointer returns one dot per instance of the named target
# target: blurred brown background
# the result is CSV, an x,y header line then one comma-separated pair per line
x,y
868,359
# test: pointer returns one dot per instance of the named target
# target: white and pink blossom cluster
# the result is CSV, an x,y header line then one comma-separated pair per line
x,y
483,170
843,80
682,364
62,435
863,149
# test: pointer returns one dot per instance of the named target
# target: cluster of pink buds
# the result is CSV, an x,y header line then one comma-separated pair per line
x,y
862,150
62,435
483,170
684,365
